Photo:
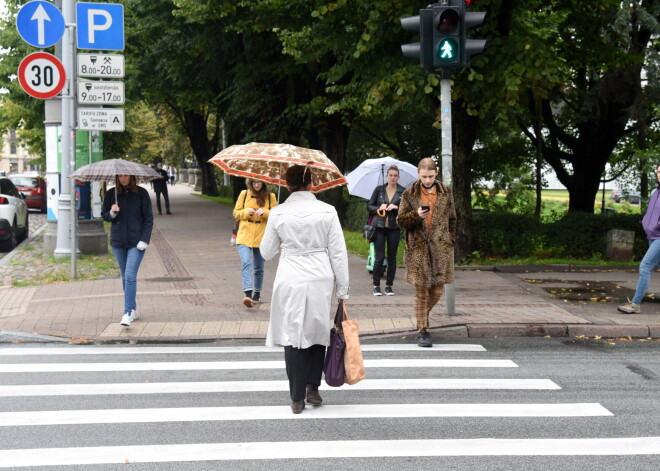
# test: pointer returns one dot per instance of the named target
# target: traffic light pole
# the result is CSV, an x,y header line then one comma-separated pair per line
x,y
446,162
66,204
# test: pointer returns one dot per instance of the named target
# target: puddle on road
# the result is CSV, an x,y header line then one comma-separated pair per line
x,y
588,291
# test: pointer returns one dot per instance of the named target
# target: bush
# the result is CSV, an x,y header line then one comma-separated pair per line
x,y
356,214
576,235
500,234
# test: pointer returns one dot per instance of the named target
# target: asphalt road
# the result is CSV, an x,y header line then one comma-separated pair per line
x,y
584,389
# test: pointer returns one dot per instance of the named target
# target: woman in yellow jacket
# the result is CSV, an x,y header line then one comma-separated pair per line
x,y
252,208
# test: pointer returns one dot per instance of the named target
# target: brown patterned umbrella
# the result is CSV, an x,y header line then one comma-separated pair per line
x,y
269,163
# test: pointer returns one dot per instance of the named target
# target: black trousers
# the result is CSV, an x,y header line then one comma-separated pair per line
x,y
303,366
166,197
391,236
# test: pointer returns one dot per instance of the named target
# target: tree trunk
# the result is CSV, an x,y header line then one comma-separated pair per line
x,y
464,135
195,125
330,135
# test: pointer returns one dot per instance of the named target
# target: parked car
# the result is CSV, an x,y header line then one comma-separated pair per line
x,y
14,222
33,187
622,194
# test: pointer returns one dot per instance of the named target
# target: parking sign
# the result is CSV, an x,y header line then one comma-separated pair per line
x,y
100,26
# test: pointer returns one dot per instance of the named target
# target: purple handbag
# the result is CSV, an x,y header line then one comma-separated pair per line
x,y
333,367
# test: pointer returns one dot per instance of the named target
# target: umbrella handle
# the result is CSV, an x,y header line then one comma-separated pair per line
x,y
380,212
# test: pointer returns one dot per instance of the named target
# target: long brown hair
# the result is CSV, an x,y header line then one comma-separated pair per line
x,y
260,195
132,185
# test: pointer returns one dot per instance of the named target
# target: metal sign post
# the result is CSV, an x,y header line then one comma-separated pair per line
x,y
446,163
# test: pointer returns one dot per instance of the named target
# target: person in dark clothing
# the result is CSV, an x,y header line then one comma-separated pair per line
x,y
128,207
384,206
160,186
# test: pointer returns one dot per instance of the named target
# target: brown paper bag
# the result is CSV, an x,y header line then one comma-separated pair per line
x,y
353,362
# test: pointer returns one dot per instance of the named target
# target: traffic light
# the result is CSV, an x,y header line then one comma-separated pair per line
x,y
447,35
443,43
423,50
471,47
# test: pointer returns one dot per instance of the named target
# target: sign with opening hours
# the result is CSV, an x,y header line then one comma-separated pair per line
x,y
100,93
101,65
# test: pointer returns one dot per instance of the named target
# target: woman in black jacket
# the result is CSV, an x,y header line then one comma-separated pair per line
x,y
128,207
384,206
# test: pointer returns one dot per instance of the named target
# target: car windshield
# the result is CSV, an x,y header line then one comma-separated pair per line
x,y
25,181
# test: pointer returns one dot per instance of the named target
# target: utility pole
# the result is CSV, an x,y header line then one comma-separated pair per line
x,y
66,205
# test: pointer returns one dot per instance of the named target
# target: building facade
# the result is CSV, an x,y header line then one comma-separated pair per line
x,y
14,157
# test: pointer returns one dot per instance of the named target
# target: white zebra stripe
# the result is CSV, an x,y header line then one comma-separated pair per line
x,y
328,449
241,365
121,350
199,414
252,386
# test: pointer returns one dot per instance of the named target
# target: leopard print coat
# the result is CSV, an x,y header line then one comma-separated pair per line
x,y
429,255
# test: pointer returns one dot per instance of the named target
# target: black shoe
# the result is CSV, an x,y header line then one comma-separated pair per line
x,y
247,300
256,297
424,339
160,213
313,396
388,291
377,291
169,213
297,406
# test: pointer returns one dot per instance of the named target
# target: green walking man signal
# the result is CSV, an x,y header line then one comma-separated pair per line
x,y
444,45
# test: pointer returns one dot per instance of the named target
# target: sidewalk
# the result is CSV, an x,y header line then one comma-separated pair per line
x,y
189,288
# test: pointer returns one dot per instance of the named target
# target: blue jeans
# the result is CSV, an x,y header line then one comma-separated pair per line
x,y
129,262
251,256
649,262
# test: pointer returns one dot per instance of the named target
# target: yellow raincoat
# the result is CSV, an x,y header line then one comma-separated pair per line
x,y
251,229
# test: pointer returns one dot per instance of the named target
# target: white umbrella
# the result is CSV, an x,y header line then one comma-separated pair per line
x,y
373,172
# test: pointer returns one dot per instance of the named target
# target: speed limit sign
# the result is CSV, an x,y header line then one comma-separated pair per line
x,y
41,75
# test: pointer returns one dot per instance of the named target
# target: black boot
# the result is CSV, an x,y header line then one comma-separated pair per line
x,y
256,297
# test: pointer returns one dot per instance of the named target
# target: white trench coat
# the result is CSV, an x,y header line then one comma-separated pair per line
x,y
313,265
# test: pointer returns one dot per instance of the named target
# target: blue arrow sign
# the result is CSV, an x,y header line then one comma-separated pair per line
x,y
40,23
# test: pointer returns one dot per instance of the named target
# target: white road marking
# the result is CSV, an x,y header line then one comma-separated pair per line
x,y
120,350
241,365
328,449
350,411
252,386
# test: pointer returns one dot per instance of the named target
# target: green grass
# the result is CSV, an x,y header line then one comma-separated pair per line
x,y
223,200
358,245
546,261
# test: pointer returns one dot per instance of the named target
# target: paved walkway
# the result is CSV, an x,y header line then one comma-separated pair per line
x,y
189,288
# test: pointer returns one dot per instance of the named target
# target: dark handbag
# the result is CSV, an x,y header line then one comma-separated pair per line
x,y
333,367
369,230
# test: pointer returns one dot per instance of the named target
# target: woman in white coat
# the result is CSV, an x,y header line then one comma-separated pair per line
x,y
313,266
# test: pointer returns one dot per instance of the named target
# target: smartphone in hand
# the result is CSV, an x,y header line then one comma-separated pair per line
x,y
425,208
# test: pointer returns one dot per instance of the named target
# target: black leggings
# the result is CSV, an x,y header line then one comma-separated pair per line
x,y
303,366
392,236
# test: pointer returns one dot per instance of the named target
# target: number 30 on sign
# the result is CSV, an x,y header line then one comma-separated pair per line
x,y
41,75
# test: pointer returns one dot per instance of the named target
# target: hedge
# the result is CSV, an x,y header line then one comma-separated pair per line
x,y
500,234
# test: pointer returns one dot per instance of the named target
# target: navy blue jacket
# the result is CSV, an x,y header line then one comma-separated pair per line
x,y
134,220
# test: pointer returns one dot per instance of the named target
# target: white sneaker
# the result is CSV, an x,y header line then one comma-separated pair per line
x,y
126,320
134,315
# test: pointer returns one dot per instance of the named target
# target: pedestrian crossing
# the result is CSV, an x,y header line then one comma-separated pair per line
x,y
188,404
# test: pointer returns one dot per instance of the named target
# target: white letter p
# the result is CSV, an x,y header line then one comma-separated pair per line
x,y
92,27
